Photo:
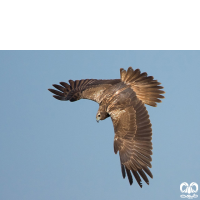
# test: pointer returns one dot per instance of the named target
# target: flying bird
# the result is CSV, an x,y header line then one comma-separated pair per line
x,y
124,101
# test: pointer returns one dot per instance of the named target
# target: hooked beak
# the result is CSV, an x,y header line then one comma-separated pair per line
x,y
97,119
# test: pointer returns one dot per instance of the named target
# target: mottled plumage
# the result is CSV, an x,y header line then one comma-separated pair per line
x,y
123,100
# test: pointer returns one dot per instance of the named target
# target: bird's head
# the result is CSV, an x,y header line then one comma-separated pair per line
x,y
101,115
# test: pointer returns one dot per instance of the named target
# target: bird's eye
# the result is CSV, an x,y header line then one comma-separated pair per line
x,y
99,115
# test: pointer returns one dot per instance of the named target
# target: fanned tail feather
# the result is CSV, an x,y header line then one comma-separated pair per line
x,y
147,89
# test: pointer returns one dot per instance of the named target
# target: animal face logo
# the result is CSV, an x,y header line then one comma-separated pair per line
x,y
192,188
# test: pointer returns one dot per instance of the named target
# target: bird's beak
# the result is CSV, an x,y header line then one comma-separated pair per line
x,y
97,119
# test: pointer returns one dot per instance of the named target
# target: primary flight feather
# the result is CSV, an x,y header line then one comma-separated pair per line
x,y
123,100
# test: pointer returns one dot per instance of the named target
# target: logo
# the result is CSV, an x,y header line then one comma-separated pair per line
x,y
190,189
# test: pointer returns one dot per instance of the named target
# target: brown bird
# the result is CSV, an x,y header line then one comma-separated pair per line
x,y
123,100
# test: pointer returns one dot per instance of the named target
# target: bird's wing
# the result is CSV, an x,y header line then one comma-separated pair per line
x,y
132,139
82,89
147,89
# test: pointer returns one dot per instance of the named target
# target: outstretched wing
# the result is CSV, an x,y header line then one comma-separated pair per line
x,y
132,139
82,89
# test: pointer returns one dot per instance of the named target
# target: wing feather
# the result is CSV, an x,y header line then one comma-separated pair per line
x,y
71,84
133,136
56,92
58,97
129,176
66,85
137,177
146,169
62,89
143,175
82,89
123,171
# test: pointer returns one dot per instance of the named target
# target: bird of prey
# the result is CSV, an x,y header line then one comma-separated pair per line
x,y
124,101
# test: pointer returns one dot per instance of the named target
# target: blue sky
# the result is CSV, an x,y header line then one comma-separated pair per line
x,y
55,150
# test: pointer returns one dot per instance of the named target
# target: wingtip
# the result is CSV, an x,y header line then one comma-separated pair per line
x,y
66,85
51,90
58,97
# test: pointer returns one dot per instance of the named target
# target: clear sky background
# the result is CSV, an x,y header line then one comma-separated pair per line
x,y
55,150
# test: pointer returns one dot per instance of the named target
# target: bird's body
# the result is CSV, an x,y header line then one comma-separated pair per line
x,y
123,100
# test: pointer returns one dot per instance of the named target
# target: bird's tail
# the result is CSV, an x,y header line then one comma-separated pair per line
x,y
147,89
